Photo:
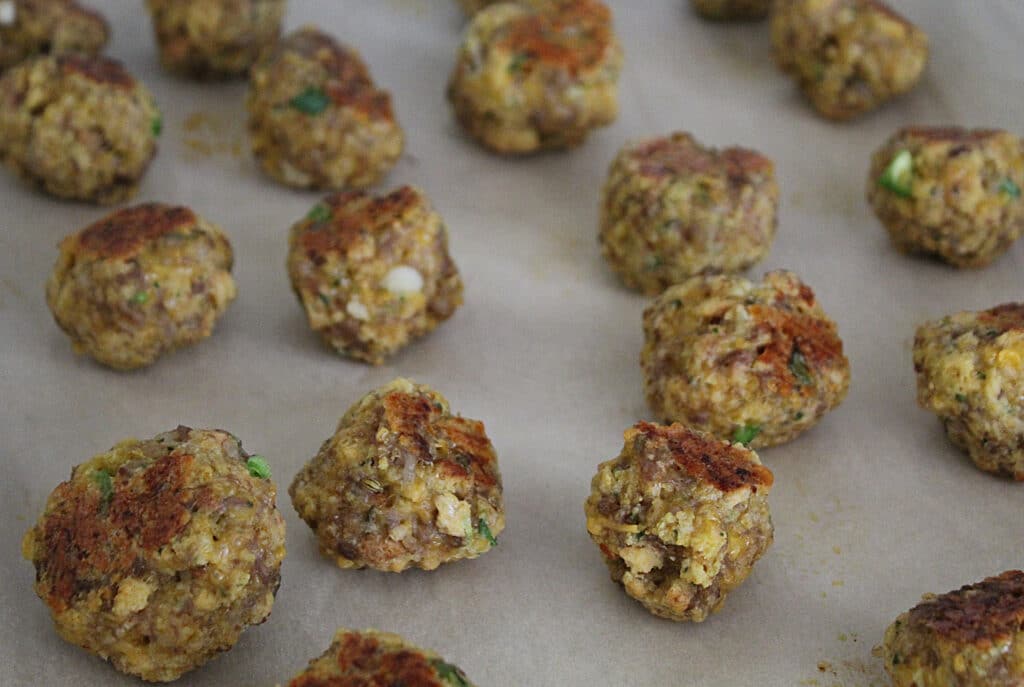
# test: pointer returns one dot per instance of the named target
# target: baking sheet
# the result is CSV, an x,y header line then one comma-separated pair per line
x,y
872,508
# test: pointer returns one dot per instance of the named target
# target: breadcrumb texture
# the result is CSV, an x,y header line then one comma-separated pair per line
x,y
680,518
51,27
971,637
963,202
970,372
77,127
140,283
156,555
746,361
673,208
847,56
536,76
402,483
370,658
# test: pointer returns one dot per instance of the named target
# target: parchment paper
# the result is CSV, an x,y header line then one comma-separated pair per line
x,y
872,508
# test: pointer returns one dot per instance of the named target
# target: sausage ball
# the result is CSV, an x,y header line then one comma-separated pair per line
x,y
949,192
970,372
733,10
140,283
680,518
848,56
673,209
77,127
214,38
755,363
48,27
373,272
402,483
316,118
972,637
363,659
530,78
156,555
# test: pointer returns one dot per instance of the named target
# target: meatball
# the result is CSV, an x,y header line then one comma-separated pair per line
x,y
316,118
77,127
402,483
972,637
214,38
970,372
949,192
530,78
141,282
848,56
157,554
733,10
50,27
373,272
757,363
680,518
673,209
361,659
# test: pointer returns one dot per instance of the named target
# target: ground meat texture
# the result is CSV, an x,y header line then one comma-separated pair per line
x,y
316,118
48,27
214,38
140,283
970,372
157,554
949,192
680,518
972,637
673,209
732,10
363,659
373,272
77,127
529,78
402,483
757,363
848,56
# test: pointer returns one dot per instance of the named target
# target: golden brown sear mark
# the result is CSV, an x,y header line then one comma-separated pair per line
x,y
126,232
981,614
99,69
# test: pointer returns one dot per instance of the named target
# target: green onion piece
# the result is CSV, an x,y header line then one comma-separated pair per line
x,y
899,175
311,101
319,213
745,434
485,531
105,483
140,297
157,124
798,366
453,675
258,467
1008,187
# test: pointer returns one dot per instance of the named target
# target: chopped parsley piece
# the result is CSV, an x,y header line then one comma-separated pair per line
x,y
105,483
311,101
961,398
258,467
157,125
485,531
798,366
324,299
518,62
140,297
453,675
745,434
899,175
895,659
799,415
319,213
1008,187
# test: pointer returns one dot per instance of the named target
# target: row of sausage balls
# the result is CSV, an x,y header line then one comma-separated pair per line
x,y
157,554
530,75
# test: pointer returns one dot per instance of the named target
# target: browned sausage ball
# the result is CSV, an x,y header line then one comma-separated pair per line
x,y
402,483
680,518
50,27
157,554
733,10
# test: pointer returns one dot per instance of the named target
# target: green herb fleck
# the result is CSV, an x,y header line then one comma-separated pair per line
x,y
961,398
798,366
652,262
324,299
311,101
485,531
258,467
319,213
140,297
982,375
157,125
676,303
745,434
799,415
1008,187
105,483
453,675
518,62
895,659
899,175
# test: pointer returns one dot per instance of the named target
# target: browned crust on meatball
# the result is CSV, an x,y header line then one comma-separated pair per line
x,y
354,213
1006,317
553,35
707,459
363,662
680,154
953,134
128,231
982,614
99,69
